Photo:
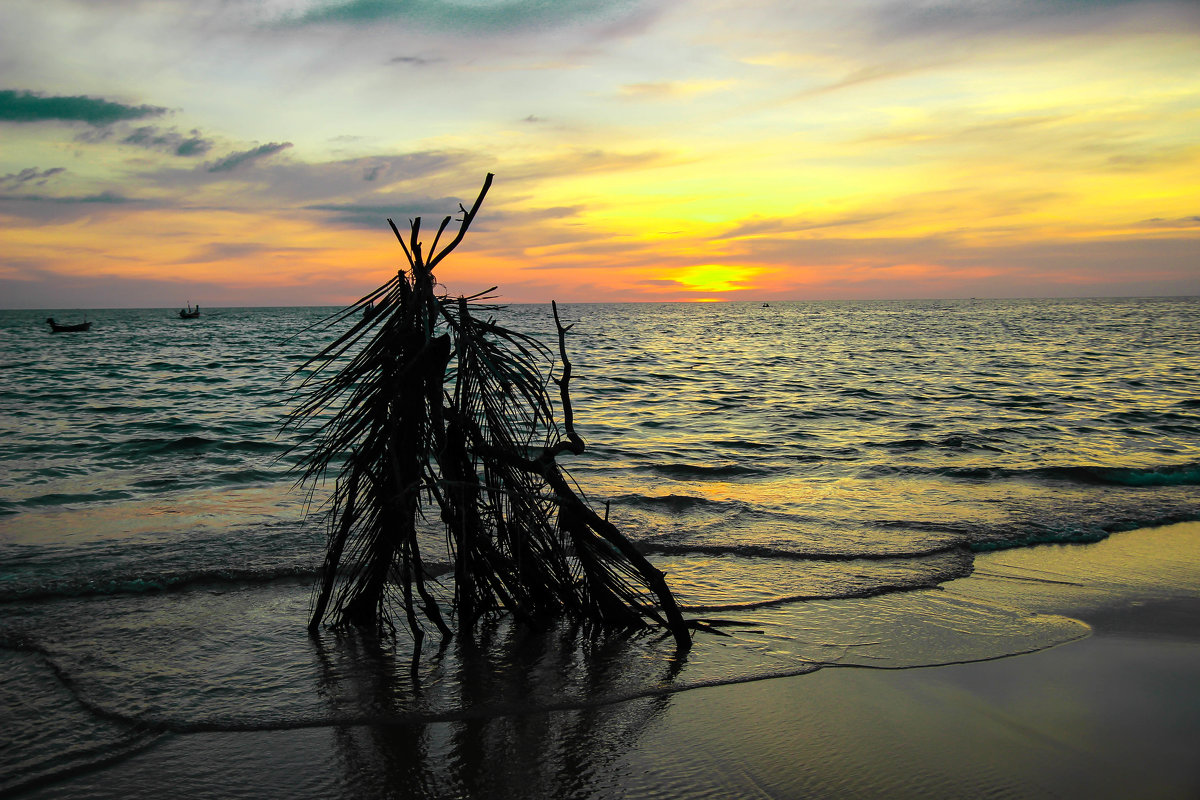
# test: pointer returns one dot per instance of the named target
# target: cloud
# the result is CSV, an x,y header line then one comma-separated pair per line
x,y
24,106
871,73
30,176
170,141
374,215
414,61
391,181
481,15
664,89
1039,17
236,160
1180,222
228,251
583,162
49,209
945,127
193,146
52,289
758,226
107,197
942,267
35,287
402,207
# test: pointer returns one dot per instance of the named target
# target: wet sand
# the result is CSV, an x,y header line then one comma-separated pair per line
x,y
1113,715
1116,715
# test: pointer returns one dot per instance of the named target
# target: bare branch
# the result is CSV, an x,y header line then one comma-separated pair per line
x,y
400,239
468,218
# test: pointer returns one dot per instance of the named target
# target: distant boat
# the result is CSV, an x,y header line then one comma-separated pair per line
x,y
189,312
766,305
56,328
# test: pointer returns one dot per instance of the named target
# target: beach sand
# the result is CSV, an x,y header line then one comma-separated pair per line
x,y
1115,714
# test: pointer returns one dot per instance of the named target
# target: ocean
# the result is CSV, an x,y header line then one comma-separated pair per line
x,y
815,474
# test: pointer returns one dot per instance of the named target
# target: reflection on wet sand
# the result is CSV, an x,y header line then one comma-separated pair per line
x,y
532,714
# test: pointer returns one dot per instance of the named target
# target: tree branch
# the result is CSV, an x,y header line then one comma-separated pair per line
x,y
468,217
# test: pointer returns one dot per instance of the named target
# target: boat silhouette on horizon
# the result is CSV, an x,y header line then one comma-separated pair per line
x,y
77,328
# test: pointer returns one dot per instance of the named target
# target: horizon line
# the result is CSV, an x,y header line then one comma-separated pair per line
x,y
649,302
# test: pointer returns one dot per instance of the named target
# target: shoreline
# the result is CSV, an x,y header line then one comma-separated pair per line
x,y
1114,714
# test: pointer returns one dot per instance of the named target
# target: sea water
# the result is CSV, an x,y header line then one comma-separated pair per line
x,y
808,473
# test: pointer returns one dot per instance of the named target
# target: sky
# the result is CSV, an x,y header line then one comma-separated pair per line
x,y
235,153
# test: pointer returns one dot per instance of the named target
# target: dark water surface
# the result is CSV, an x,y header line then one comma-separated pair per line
x,y
808,470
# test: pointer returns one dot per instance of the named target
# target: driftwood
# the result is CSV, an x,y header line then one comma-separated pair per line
x,y
438,412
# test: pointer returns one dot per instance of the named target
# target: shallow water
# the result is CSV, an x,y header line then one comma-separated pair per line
x,y
807,471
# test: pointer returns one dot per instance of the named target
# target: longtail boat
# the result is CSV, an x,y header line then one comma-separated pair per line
x,y
56,328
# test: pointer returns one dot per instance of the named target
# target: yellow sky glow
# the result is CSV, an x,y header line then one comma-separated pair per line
x,y
694,155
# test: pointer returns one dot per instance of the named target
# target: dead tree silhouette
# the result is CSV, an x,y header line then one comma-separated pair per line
x,y
426,408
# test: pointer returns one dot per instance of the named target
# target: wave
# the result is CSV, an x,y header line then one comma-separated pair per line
x,y
244,476
875,590
693,471
742,444
63,498
1181,475
763,551
149,446
152,583
1165,475
157,485
154,445
1142,417
1042,537
628,667
675,503
1078,534
949,442
18,364
81,758
225,578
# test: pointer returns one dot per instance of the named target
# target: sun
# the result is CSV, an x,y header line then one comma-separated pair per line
x,y
716,277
